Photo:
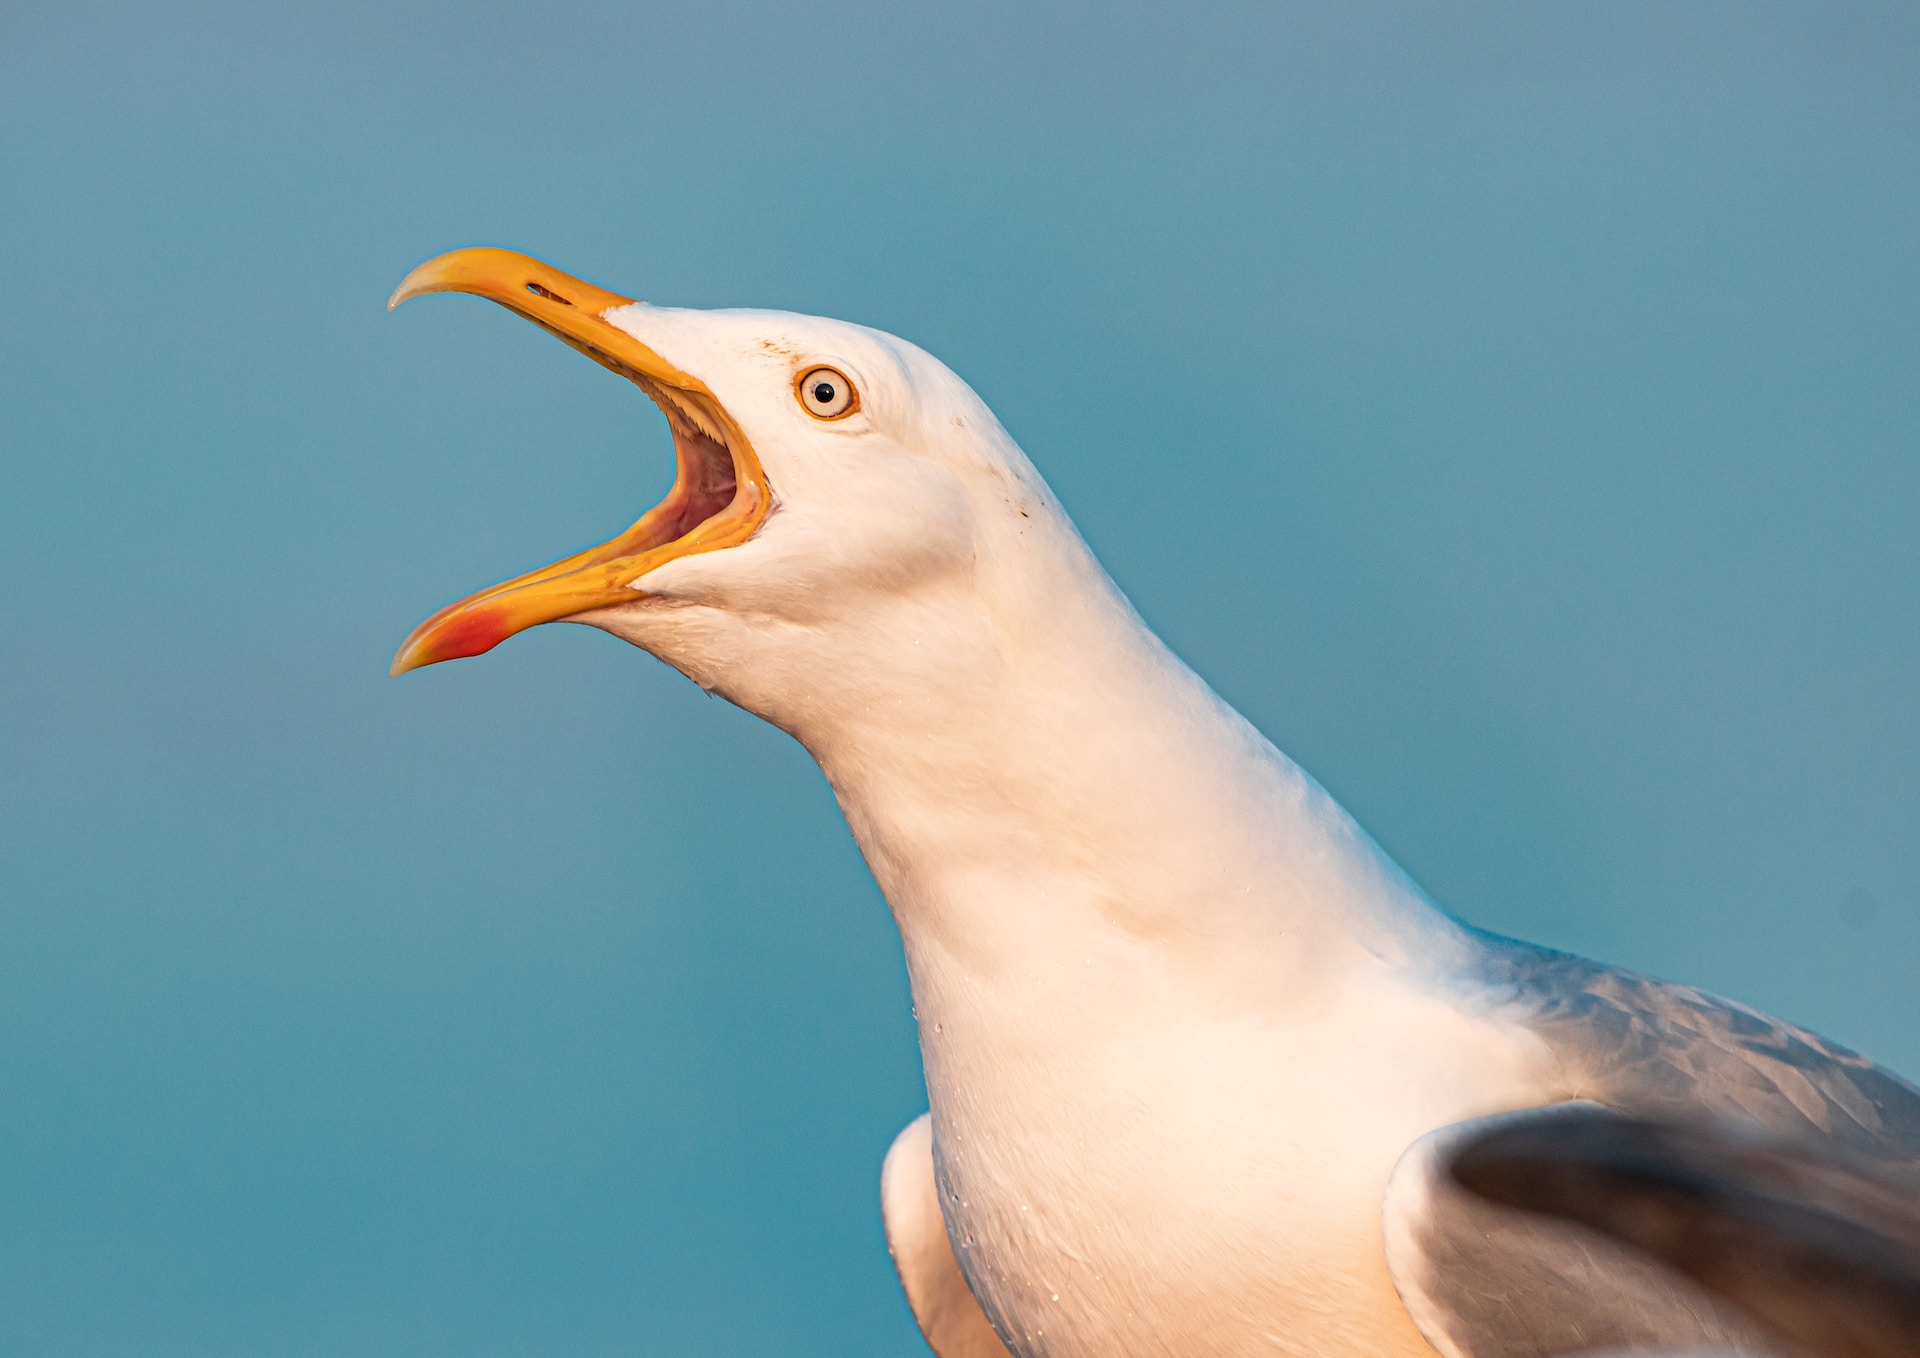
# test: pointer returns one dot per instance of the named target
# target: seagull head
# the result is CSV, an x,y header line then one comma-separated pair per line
x,y
829,476
855,551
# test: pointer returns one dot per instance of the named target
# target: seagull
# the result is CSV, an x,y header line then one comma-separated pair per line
x,y
1198,1052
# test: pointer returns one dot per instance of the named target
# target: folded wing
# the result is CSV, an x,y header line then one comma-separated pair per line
x,y
949,1316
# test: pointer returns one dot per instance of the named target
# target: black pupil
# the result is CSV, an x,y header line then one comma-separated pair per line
x,y
823,393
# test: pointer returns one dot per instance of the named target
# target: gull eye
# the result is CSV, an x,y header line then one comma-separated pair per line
x,y
827,394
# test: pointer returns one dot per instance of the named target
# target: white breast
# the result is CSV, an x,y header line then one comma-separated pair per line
x,y
1122,1179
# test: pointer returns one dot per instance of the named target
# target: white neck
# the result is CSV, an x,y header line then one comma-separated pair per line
x,y
1031,774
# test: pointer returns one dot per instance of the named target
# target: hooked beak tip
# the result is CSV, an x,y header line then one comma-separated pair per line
x,y
410,287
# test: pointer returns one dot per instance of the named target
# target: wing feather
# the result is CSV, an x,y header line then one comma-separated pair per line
x,y
949,1316
1822,1247
1484,1281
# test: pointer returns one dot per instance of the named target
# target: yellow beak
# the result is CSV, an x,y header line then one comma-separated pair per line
x,y
719,496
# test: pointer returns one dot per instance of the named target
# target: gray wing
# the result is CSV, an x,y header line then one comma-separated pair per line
x,y
1822,1247
1485,1281
1659,1050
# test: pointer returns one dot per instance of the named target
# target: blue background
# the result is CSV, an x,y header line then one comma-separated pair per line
x,y
1512,407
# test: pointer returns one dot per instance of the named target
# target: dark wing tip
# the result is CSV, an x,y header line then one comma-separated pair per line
x,y
1820,1245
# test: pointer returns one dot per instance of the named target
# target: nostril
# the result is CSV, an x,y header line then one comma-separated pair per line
x,y
548,293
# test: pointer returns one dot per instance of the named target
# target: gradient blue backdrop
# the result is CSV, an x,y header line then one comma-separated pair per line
x,y
1512,407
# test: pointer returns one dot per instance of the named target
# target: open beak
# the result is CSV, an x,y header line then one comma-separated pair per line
x,y
719,496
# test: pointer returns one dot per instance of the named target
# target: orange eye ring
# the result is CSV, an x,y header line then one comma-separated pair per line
x,y
826,393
